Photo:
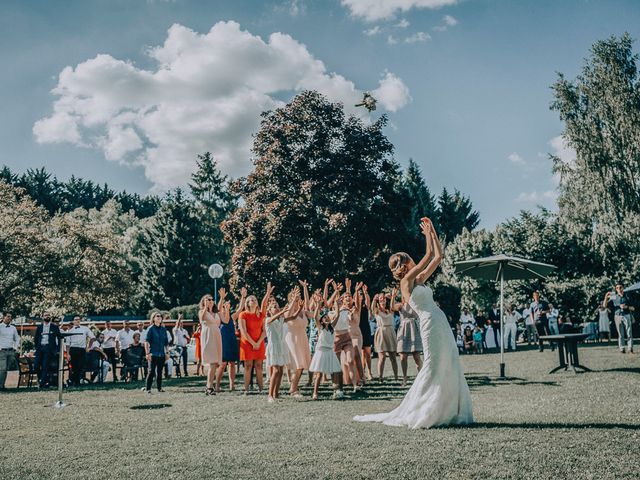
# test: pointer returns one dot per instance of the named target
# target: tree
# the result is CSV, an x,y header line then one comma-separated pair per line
x,y
421,203
322,200
94,275
475,294
28,257
600,188
172,258
454,214
214,202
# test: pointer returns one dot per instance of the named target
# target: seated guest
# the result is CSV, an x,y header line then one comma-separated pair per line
x,y
468,340
98,360
459,340
566,325
478,342
134,359
47,346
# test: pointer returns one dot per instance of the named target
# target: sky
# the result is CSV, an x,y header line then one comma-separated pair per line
x,y
127,92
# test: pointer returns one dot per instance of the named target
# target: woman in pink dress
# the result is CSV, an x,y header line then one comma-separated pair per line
x,y
296,338
210,338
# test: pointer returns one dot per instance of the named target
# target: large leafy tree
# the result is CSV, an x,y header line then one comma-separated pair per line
x,y
325,199
600,188
28,258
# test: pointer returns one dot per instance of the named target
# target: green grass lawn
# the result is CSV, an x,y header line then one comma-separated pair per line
x,y
533,425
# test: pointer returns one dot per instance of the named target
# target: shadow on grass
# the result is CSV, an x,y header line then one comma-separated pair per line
x,y
555,426
478,381
151,406
621,369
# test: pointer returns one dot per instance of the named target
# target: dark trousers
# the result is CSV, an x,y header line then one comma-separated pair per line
x,y
496,333
542,326
41,365
184,357
155,370
123,370
112,358
77,357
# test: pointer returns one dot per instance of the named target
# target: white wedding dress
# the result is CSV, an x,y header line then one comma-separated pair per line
x,y
439,395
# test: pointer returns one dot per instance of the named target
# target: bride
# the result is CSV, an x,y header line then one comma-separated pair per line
x,y
439,395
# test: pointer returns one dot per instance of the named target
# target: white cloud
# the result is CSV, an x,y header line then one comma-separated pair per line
x,y
516,158
372,10
447,21
418,37
392,93
391,40
404,23
537,197
206,94
450,21
370,32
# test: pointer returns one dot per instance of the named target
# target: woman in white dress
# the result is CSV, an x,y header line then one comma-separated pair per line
x,y
603,322
439,395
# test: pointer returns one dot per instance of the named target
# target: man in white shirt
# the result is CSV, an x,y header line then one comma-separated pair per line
x,y
510,327
77,347
466,319
124,339
181,339
529,325
109,347
9,345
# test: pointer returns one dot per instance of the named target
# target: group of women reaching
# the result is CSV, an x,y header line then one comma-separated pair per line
x,y
326,333
337,319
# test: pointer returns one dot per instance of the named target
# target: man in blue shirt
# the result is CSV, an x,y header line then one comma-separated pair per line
x,y
622,308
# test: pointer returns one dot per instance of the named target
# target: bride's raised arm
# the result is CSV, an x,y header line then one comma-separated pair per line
x,y
435,260
406,284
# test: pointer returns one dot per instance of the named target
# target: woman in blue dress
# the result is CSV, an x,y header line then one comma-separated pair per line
x,y
230,348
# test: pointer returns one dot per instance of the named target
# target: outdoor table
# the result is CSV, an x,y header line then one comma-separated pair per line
x,y
567,342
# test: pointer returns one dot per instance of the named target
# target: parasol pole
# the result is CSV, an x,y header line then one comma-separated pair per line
x,y
501,320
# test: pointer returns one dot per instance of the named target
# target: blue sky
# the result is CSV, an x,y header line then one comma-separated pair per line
x,y
465,85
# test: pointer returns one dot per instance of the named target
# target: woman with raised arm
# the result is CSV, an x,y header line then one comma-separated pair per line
x,y
365,329
252,334
210,339
385,340
439,395
230,348
354,304
296,339
343,344
277,350
409,341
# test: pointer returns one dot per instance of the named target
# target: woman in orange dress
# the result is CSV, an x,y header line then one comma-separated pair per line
x,y
199,368
252,334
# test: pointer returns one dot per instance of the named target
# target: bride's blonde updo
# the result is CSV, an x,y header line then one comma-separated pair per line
x,y
399,264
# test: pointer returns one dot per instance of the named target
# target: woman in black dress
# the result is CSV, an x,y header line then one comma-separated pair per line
x,y
365,328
